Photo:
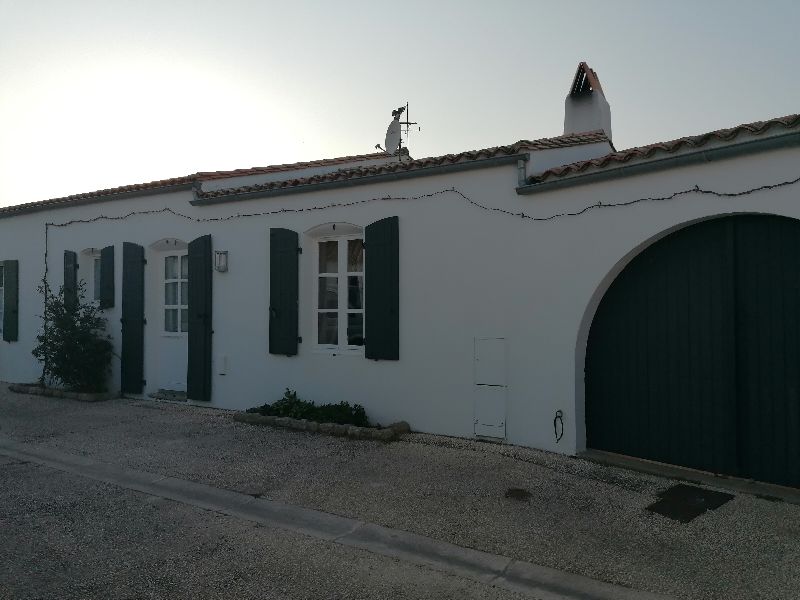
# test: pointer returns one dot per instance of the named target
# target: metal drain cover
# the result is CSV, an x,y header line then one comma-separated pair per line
x,y
518,494
685,502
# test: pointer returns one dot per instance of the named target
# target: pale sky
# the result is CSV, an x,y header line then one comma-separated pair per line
x,y
103,93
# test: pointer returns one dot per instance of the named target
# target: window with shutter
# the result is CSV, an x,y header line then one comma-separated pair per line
x,y
339,297
176,293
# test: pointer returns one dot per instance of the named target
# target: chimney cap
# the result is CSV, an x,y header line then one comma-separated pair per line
x,y
585,81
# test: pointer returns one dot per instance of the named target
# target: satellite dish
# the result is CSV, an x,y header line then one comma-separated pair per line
x,y
393,137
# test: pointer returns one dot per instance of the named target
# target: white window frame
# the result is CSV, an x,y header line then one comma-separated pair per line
x,y
182,302
342,310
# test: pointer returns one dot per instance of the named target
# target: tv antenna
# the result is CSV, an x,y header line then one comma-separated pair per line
x,y
394,133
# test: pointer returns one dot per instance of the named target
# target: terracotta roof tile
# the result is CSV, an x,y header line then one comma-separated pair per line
x,y
171,184
609,160
645,152
211,175
99,195
564,141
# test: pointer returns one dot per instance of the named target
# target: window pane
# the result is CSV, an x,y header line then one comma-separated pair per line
x,y
329,257
355,329
355,255
355,291
171,293
184,293
97,279
184,319
171,267
328,328
184,267
171,319
328,292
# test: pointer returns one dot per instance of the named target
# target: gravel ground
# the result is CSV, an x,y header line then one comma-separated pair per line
x,y
68,537
581,517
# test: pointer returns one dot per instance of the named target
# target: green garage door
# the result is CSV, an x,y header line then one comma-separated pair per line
x,y
693,353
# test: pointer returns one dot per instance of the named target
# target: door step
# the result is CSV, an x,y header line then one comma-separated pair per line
x,y
760,489
169,395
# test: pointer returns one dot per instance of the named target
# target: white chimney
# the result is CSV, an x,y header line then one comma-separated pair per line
x,y
586,108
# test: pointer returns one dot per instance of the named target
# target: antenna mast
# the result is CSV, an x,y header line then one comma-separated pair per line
x,y
394,134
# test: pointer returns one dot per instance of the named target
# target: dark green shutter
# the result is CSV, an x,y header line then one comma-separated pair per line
x,y
11,301
132,318
198,376
382,290
107,277
283,291
70,278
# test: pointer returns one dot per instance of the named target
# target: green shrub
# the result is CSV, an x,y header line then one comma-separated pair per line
x,y
291,406
73,348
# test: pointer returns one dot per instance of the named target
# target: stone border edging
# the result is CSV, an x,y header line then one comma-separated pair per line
x,y
386,434
37,390
495,570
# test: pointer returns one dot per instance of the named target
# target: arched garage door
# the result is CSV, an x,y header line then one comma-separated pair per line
x,y
694,353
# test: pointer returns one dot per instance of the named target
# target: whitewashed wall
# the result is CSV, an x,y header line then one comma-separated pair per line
x,y
464,273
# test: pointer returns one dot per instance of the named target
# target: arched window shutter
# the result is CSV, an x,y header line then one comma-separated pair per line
x,y
283,291
382,290
198,376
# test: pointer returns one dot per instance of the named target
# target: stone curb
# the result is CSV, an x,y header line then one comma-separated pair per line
x,y
529,579
388,434
37,390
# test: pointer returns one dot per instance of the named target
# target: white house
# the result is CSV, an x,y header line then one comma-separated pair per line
x,y
554,293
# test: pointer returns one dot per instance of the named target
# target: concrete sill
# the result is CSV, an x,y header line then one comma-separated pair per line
x,y
387,434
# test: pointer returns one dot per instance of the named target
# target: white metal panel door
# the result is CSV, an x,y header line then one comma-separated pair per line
x,y
490,411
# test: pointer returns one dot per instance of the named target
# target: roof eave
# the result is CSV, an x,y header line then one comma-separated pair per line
x,y
730,150
365,180
13,211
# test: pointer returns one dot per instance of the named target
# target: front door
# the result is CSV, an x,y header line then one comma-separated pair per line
x,y
174,322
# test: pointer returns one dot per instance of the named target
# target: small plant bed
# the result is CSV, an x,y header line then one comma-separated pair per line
x,y
342,419
40,390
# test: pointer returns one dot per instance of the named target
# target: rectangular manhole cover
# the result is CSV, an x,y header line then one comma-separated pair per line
x,y
518,494
685,502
